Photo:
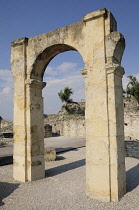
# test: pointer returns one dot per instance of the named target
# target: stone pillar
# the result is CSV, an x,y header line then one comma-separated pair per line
x,y
105,159
116,132
115,45
18,67
97,137
35,130
28,152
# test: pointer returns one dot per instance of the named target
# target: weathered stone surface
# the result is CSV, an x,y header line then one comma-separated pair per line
x,y
2,144
73,108
132,149
47,131
5,125
66,125
50,154
98,42
131,119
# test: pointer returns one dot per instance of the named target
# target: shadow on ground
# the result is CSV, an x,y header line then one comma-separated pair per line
x,y
59,157
66,149
6,160
61,169
132,178
6,189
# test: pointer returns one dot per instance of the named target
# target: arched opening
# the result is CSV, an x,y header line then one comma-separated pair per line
x,y
66,73
63,71
44,58
58,70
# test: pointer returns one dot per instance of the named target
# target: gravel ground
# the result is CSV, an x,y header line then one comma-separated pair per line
x,y
64,187
60,143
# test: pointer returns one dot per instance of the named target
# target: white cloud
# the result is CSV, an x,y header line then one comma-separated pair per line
x,y
52,103
6,94
51,71
137,76
6,77
126,80
67,66
6,90
64,69
6,82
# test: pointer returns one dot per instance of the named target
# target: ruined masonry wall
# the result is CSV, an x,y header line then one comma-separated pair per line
x,y
131,124
66,125
6,125
131,119
132,149
74,125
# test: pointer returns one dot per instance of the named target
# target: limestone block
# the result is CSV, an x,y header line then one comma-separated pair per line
x,y
19,148
50,154
102,155
97,181
19,168
36,167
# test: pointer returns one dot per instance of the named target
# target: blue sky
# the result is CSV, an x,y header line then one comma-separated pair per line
x,y
27,18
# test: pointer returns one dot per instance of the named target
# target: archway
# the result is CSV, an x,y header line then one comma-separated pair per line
x,y
64,71
101,48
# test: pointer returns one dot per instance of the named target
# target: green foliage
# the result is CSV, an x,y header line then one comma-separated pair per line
x,y
65,95
132,88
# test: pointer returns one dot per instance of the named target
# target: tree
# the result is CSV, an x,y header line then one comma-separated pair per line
x,y
132,88
65,95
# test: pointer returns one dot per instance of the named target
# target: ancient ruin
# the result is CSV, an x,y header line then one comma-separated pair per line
x,y
101,47
71,122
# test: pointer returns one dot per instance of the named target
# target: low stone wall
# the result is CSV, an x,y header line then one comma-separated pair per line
x,y
4,124
47,131
131,123
74,125
132,149
66,125
6,128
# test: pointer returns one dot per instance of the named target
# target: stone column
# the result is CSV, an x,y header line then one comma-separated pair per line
x,y
28,118
19,68
116,132
97,137
105,159
35,130
115,44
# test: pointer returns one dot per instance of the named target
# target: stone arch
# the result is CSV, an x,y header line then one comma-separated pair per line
x,y
115,45
44,58
101,47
